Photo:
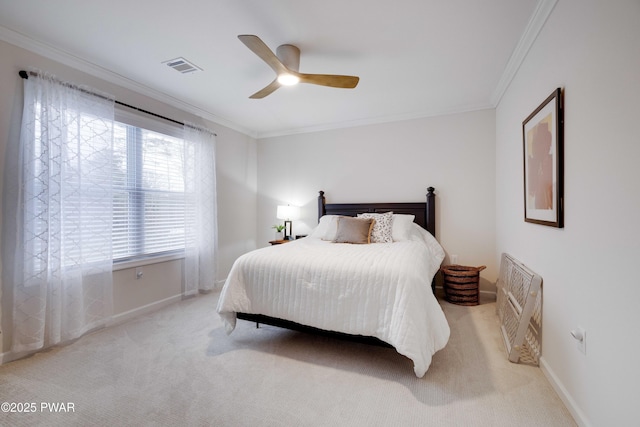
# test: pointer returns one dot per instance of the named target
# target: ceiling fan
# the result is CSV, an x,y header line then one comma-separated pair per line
x,y
285,63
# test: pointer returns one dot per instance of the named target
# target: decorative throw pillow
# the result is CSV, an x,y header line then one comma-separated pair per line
x,y
353,230
401,228
382,228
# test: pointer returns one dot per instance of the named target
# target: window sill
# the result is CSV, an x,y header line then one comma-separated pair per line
x,y
146,261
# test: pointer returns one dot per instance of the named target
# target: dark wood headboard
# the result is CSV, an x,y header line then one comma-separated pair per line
x,y
425,213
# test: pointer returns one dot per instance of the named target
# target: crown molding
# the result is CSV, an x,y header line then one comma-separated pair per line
x,y
68,59
373,121
530,34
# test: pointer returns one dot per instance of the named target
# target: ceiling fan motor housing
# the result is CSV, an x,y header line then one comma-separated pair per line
x,y
289,55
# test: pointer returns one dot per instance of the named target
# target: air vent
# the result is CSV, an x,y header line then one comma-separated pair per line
x,y
182,65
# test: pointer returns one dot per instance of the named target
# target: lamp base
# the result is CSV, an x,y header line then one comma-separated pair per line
x,y
287,230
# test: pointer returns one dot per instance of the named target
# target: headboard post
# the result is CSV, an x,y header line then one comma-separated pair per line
x,y
431,211
321,207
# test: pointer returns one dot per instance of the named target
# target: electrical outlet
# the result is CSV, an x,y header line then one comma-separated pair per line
x,y
580,335
454,258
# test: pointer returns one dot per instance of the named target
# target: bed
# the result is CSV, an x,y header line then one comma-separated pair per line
x,y
322,282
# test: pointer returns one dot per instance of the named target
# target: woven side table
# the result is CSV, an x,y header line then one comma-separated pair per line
x,y
462,284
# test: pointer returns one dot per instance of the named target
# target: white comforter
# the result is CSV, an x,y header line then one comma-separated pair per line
x,y
381,290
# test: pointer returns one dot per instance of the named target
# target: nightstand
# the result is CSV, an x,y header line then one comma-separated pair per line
x,y
279,242
462,284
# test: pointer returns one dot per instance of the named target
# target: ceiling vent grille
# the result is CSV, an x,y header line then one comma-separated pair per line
x,y
182,65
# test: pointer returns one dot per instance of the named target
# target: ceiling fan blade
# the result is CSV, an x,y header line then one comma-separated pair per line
x,y
258,47
267,90
332,80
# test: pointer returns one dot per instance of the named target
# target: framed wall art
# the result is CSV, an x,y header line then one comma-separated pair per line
x,y
543,163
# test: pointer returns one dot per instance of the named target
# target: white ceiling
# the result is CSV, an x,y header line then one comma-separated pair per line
x,y
415,58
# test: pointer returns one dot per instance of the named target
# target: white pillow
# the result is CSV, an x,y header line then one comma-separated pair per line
x,y
327,228
401,228
381,232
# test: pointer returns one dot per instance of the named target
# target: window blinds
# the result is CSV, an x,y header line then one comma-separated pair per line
x,y
149,198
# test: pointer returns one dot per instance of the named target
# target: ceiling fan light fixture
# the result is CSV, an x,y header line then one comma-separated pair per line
x,y
288,79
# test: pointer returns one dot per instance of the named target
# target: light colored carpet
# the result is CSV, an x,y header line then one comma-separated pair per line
x,y
178,367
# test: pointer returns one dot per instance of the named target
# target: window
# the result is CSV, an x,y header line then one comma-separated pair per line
x,y
84,181
149,193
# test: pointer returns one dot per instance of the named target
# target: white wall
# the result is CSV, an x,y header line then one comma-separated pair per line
x,y
592,49
235,171
392,162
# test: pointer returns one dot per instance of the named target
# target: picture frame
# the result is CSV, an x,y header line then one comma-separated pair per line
x,y
543,156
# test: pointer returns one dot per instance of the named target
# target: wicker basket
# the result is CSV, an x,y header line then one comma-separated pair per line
x,y
461,284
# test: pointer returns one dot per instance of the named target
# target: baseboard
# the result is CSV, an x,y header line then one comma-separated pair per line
x,y
489,294
138,311
117,319
577,414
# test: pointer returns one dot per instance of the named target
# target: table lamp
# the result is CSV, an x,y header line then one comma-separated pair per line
x,y
287,213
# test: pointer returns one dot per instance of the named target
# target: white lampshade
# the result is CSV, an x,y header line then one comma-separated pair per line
x,y
288,212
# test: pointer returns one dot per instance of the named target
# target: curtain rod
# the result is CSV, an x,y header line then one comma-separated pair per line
x,y
25,75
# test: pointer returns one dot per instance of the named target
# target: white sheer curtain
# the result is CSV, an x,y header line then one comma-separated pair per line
x,y
201,224
61,278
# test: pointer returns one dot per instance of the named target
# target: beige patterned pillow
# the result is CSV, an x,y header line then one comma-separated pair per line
x,y
353,230
382,229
